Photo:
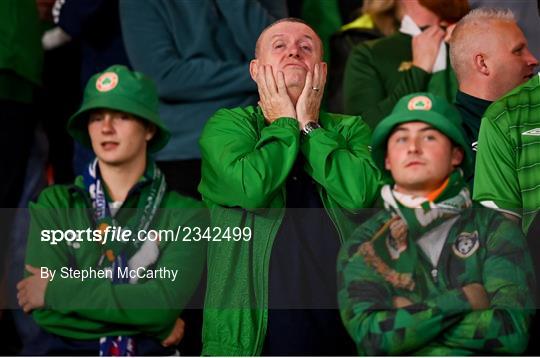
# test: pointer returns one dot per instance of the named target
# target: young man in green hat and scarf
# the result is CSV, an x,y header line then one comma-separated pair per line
x,y
430,274
92,292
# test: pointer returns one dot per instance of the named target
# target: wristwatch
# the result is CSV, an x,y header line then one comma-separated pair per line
x,y
310,127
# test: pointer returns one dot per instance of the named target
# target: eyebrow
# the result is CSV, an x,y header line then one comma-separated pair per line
x,y
280,35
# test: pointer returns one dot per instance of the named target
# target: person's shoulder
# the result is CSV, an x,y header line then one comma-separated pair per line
x,y
366,231
56,196
524,97
238,112
488,221
236,117
388,43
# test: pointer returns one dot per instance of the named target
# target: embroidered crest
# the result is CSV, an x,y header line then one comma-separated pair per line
x,y
466,244
107,81
405,66
396,242
419,103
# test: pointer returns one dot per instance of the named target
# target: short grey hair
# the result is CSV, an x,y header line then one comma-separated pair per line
x,y
463,39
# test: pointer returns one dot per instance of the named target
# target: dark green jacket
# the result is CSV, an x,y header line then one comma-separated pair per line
x,y
245,166
21,55
95,307
441,321
380,72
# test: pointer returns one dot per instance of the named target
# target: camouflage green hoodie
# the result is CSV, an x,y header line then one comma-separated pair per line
x,y
480,246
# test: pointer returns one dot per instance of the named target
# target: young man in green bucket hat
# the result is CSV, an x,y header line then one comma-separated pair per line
x,y
430,274
111,287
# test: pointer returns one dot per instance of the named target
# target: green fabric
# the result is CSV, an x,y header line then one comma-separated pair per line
x,y
96,307
428,108
440,321
507,171
20,49
120,89
380,72
325,18
15,88
244,169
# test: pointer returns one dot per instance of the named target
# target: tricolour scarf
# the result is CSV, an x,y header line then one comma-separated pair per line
x,y
395,256
118,253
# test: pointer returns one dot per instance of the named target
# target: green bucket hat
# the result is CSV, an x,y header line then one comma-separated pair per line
x,y
427,108
120,89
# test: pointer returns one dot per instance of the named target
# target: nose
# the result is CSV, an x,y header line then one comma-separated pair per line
x,y
294,51
414,146
107,124
531,60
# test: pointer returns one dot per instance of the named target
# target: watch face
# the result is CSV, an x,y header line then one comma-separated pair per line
x,y
310,126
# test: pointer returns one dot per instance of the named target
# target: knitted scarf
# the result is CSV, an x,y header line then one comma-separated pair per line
x,y
394,257
117,254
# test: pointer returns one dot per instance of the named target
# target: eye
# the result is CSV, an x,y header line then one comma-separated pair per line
x,y
124,116
429,137
401,139
278,45
518,51
95,117
306,48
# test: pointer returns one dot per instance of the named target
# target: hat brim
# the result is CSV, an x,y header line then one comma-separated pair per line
x,y
77,123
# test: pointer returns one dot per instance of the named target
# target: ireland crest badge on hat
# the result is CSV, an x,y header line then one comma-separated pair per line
x,y
107,81
466,244
419,103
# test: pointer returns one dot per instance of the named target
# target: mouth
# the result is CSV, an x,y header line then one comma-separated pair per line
x,y
413,163
109,145
296,65
529,76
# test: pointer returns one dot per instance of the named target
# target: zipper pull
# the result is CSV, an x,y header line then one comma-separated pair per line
x,y
435,275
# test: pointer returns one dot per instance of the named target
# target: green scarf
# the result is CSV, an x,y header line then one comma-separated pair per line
x,y
395,256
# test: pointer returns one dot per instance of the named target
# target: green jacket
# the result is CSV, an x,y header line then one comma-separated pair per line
x,y
441,321
380,72
21,54
96,307
245,166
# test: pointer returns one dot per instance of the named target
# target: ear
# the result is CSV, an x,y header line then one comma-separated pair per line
x,y
150,132
457,156
253,65
386,163
480,64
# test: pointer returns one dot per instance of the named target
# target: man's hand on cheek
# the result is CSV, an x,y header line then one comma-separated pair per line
x,y
309,103
274,99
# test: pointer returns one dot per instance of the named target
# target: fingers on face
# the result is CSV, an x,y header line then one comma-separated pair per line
x,y
320,75
281,87
270,81
261,81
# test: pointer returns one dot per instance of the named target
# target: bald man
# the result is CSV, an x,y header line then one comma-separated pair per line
x,y
275,292
490,57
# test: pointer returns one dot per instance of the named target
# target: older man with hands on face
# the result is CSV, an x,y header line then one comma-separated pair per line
x,y
275,294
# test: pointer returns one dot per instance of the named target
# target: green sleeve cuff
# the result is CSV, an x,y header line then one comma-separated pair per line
x,y
286,122
452,302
